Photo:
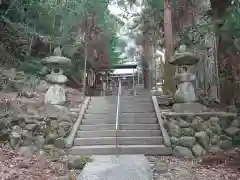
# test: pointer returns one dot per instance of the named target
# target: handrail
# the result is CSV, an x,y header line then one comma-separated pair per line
x,y
117,114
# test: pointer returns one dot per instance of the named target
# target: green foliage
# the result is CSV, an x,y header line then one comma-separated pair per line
x,y
33,66
151,20
148,26
231,22
159,5
60,21
112,54
227,27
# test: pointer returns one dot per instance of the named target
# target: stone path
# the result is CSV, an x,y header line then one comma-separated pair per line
x,y
123,167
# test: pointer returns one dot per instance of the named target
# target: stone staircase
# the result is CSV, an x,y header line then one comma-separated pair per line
x,y
139,131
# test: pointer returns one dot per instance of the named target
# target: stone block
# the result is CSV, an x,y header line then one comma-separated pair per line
x,y
203,139
231,131
225,144
174,140
187,132
187,141
174,130
198,124
182,152
198,150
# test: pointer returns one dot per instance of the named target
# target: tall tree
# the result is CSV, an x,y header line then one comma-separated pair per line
x,y
169,70
57,20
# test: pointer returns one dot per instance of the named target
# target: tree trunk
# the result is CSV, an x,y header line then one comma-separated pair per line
x,y
145,78
169,70
219,9
151,67
146,61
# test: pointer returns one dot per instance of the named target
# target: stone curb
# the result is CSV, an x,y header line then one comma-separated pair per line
x,y
71,136
158,112
203,114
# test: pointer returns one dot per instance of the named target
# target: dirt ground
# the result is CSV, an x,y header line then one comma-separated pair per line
x,y
222,166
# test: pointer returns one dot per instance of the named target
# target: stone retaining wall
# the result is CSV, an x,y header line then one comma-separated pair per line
x,y
194,135
24,125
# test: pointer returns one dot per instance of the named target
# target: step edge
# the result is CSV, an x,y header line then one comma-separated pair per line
x,y
120,137
121,146
122,130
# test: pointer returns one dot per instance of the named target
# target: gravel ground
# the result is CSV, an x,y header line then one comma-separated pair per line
x,y
192,170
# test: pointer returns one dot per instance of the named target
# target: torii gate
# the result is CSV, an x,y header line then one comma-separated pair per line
x,y
126,75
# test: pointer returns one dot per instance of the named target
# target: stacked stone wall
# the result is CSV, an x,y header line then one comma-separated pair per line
x,y
195,136
24,125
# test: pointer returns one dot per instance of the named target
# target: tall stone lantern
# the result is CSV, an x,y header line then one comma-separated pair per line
x,y
56,94
185,96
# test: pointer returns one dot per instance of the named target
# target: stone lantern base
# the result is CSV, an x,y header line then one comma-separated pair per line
x,y
189,107
56,95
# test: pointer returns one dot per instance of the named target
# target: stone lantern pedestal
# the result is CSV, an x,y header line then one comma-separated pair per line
x,y
56,94
185,96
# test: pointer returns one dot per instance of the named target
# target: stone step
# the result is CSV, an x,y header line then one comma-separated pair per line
x,y
102,127
121,115
139,89
121,121
122,105
103,105
136,98
114,102
121,133
105,101
122,110
109,98
121,141
137,108
122,149
130,103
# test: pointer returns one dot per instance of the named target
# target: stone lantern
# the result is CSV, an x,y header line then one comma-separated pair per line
x,y
185,96
56,94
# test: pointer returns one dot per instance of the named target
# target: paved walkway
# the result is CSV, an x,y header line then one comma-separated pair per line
x,y
123,167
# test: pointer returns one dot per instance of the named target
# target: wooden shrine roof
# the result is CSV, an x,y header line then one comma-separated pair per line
x,y
124,66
